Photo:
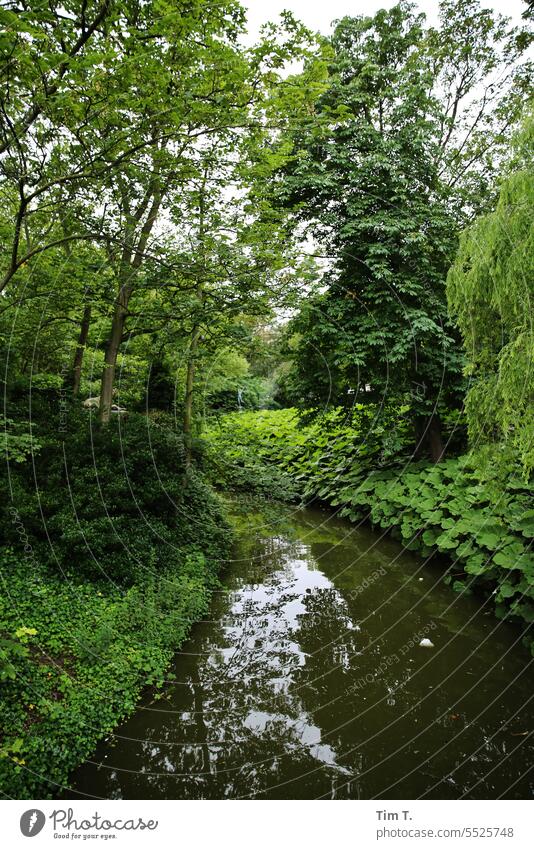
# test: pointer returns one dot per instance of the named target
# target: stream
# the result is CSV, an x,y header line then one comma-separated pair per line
x,y
307,680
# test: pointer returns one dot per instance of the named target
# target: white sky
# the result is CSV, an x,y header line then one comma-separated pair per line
x,y
318,14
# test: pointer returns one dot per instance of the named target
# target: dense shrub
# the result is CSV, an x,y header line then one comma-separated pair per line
x,y
112,501
269,451
243,453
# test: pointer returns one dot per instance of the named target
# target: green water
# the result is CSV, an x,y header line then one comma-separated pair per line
x,y
308,681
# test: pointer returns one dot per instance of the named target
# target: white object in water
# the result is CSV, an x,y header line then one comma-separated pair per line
x,y
426,643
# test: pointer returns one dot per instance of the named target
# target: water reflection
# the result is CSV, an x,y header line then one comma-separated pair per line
x,y
305,685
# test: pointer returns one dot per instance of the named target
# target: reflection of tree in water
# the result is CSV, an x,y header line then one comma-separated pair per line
x,y
240,728
370,698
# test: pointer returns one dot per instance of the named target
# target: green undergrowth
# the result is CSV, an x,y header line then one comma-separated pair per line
x,y
476,512
111,552
270,452
74,659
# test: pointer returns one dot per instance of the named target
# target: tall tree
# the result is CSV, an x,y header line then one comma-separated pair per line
x,y
491,294
45,52
397,153
51,61
199,93
239,253
195,85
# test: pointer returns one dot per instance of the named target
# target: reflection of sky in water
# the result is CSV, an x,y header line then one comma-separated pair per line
x,y
259,620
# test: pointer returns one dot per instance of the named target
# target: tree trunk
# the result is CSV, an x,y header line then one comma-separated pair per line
x,y
130,263
419,437
80,349
195,337
435,439
428,438
112,350
188,401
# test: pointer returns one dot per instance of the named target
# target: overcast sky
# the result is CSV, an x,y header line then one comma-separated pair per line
x,y
318,14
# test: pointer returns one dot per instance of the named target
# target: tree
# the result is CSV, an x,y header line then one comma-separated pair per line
x,y
491,292
196,84
199,90
238,252
44,57
105,114
382,174
52,61
44,319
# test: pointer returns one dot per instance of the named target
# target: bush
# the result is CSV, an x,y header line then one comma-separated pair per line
x,y
273,451
114,500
